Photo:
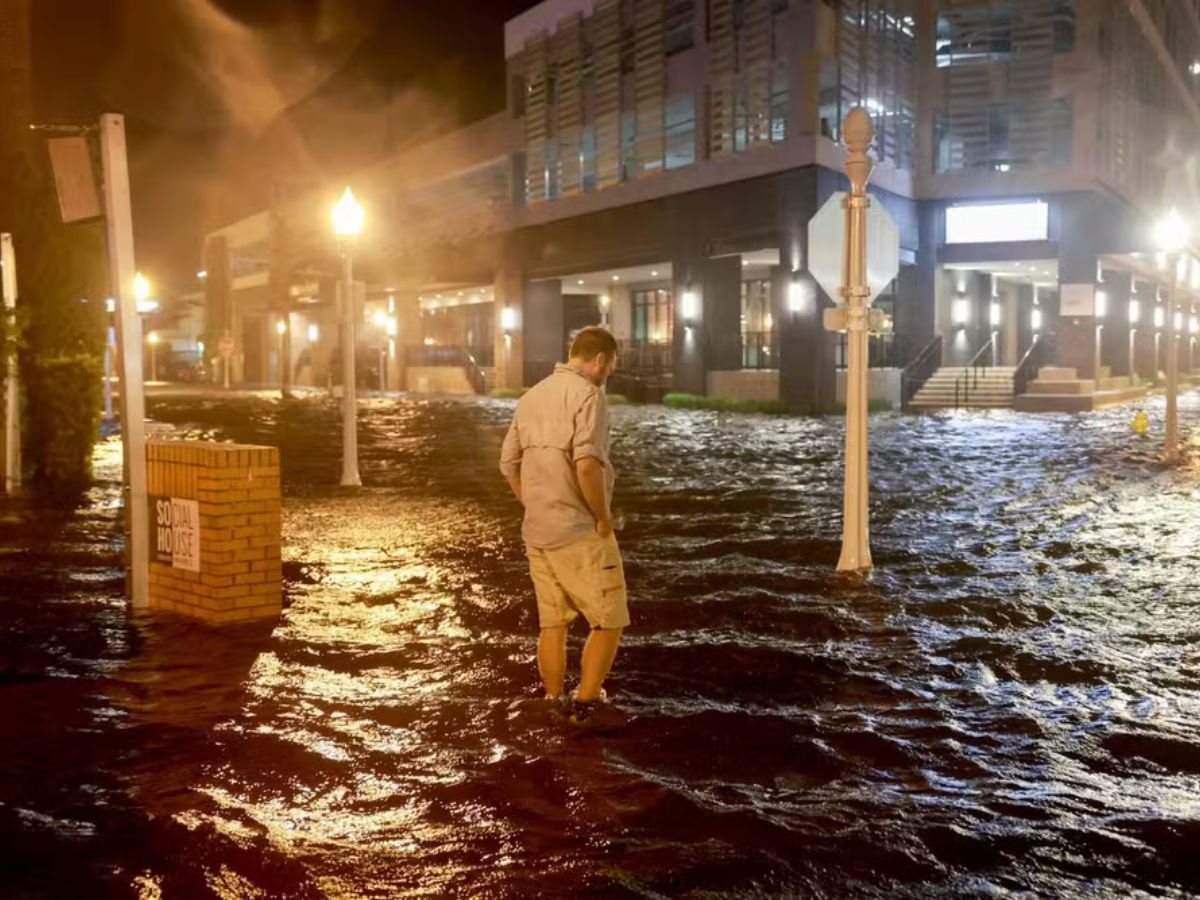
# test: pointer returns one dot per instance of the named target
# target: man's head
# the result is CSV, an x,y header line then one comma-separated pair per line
x,y
594,353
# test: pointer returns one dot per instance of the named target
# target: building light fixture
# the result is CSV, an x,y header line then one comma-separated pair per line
x,y
1160,317
1178,321
960,312
314,333
1035,319
281,327
689,306
508,319
1194,68
1135,311
996,315
1101,304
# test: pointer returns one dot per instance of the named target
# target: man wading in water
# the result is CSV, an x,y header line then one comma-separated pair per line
x,y
555,457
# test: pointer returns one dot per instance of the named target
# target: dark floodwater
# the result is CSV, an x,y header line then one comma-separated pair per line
x,y
1010,704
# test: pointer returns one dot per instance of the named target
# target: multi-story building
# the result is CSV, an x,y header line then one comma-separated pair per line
x,y
659,161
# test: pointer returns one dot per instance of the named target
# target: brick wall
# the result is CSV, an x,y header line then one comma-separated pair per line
x,y
238,491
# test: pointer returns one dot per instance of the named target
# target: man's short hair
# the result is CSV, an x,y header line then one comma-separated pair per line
x,y
592,341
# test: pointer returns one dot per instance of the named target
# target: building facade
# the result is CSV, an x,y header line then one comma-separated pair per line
x,y
658,163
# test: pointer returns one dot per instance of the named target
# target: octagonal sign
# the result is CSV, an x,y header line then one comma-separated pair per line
x,y
826,247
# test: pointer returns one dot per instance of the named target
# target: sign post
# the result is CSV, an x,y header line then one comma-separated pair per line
x,y
855,262
12,396
119,222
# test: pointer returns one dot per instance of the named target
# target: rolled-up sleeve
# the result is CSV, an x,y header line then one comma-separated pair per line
x,y
510,454
591,427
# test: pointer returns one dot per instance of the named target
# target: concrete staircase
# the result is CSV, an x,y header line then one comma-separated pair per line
x,y
994,389
1059,389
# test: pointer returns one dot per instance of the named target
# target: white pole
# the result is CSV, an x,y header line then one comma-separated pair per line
x,y
350,476
856,542
1171,451
119,220
12,387
110,341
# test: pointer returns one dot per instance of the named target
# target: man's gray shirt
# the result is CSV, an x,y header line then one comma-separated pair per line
x,y
561,420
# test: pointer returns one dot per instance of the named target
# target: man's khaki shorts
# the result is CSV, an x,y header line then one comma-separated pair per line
x,y
584,577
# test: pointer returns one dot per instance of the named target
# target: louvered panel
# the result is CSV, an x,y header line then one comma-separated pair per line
x,y
568,52
536,111
606,54
722,72
650,85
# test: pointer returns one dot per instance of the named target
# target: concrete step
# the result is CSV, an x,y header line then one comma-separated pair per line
x,y
1117,383
1056,373
1060,387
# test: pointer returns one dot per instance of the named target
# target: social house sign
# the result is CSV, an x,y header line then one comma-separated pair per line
x,y
175,532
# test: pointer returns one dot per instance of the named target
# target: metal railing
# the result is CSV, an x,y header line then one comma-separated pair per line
x,y
1027,368
451,356
883,352
919,371
969,379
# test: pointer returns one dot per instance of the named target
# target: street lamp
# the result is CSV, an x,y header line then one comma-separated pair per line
x,y
347,225
1171,236
153,339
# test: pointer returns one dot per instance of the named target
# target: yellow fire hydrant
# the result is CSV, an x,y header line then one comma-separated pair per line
x,y
1140,422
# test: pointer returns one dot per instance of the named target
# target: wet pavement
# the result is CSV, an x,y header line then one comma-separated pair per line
x,y
1010,704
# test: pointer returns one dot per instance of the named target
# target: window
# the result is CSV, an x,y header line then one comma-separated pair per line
x,y
587,157
758,326
517,98
629,166
779,102
681,131
653,317
679,18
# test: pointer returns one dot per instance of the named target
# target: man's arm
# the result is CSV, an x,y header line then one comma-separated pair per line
x,y
591,427
590,472
510,459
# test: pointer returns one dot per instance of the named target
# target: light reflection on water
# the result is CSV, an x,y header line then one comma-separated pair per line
x,y
1008,703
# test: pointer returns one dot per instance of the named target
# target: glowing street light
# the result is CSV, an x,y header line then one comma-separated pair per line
x,y
347,225
1171,235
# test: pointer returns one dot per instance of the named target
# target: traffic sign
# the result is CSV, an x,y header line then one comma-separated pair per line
x,y
827,247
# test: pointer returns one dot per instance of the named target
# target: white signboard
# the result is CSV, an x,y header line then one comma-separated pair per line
x,y
826,247
1077,300
175,532
989,223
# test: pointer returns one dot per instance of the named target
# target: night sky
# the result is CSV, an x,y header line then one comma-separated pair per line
x,y
223,96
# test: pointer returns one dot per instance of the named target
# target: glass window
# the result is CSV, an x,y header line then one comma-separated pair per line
x,y
681,131
653,317
628,146
679,20
758,325
587,157
518,96
779,102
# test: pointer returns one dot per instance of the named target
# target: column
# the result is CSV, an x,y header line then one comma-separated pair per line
x,y
510,340
545,339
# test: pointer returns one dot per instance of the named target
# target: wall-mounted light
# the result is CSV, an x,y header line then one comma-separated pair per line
x,y
1135,311
392,326
1194,325
380,318
1035,319
689,306
1160,317
281,327
314,333
996,315
508,319
960,312
800,296
1101,304
605,300
1178,322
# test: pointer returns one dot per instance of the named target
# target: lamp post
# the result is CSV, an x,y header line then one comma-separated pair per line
x,y
1171,236
153,339
347,225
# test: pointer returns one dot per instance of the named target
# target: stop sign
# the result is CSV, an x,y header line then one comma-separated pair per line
x,y
827,247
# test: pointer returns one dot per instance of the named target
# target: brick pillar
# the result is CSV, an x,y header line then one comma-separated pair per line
x,y
215,522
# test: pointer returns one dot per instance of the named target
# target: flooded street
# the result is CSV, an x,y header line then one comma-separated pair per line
x,y
1010,703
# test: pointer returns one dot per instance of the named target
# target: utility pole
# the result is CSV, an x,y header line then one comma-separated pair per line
x,y
119,222
12,395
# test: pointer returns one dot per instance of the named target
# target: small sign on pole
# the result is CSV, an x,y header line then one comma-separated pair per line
x,y
12,401
74,178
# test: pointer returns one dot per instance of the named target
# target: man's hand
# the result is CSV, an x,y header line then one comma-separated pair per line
x,y
604,528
